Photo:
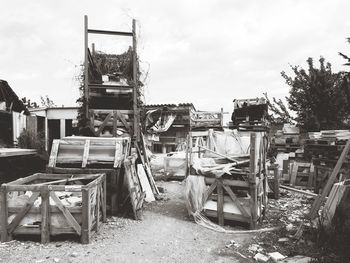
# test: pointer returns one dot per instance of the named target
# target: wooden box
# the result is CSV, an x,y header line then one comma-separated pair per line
x,y
53,204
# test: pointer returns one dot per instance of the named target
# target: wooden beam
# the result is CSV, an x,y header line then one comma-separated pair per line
x,y
123,120
14,223
70,219
3,214
107,32
86,66
45,214
86,221
103,124
236,201
320,199
136,132
252,182
220,203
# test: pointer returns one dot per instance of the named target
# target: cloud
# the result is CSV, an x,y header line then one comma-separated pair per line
x,y
205,52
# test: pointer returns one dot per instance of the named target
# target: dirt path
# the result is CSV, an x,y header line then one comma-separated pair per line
x,y
166,234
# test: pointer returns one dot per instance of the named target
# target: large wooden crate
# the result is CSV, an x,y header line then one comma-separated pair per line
x,y
90,155
238,195
32,206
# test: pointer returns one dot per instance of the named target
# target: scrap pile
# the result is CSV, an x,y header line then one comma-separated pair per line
x,y
323,149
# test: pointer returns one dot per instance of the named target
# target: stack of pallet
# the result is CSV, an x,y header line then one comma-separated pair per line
x,y
323,149
286,140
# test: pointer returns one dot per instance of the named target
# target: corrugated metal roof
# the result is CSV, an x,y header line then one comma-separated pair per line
x,y
10,97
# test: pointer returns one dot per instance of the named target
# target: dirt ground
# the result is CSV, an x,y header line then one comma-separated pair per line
x,y
166,234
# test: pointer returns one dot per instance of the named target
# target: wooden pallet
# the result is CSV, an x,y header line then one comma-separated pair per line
x,y
54,217
302,175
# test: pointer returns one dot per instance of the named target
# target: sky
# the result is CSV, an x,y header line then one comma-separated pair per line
x,y
204,52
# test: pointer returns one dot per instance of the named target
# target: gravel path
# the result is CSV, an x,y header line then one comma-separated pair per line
x,y
166,234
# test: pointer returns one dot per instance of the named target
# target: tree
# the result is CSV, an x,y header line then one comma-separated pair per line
x,y
29,104
345,56
47,102
318,96
280,113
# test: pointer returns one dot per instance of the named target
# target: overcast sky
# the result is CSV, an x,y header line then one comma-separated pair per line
x,y
205,52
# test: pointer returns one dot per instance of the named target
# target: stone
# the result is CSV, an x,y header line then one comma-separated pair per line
x,y
276,256
261,258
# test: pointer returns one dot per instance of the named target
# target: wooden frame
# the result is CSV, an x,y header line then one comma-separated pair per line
x,y
133,127
82,221
254,182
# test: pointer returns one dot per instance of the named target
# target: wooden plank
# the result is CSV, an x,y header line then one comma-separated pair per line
x,y
210,191
70,218
145,184
98,207
45,215
224,156
9,152
85,229
115,124
123,120
54,152
276,184
320,199
3,214
113,192
136,128
220,203
18,218
252,181
118,155
236,201
104,198
294,173
103,124
86,153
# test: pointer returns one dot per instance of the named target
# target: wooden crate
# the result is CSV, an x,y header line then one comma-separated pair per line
x,y
44,213
90,155
242,196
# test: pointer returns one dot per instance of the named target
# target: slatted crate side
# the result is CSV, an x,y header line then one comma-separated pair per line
x,y
54,216
114,183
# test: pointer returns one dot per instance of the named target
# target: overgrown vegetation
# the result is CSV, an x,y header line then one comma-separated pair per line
x,y
29,140
318,96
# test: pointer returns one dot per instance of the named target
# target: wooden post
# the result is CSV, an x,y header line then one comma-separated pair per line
x,y
3,214
98,207
85,229
104,208
276,183
252,183
187,156
320,199
114,192
115,123
86,65
45,214
136,131
220,204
